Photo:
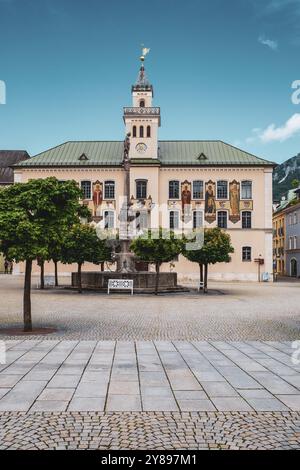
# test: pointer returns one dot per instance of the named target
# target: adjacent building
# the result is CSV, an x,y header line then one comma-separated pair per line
x,y
222,185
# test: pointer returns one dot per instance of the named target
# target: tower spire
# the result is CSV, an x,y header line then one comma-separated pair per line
x,y
142,82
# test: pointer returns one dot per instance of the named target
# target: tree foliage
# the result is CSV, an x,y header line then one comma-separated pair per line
x,y
156,247
34,215
216,249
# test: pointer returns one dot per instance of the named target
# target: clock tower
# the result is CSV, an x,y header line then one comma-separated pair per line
x,y
142,119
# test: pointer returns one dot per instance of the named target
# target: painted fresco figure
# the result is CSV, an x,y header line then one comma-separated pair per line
x,y
97,196
186,197
234,197
210,203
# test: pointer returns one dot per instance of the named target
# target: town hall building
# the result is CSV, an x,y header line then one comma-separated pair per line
x,y
222,185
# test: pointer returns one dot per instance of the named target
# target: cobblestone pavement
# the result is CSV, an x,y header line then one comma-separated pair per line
x,y
155,431
236,311
137,376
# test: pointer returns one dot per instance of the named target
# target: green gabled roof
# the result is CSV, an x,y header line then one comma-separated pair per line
x,y
171,153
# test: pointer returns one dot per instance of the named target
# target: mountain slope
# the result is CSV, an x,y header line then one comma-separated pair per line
x,y
283,176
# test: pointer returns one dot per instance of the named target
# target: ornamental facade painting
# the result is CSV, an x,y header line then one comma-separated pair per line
x,y
97,195
210,201
234,198
186,199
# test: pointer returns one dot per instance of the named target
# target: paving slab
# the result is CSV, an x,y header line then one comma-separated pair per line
x,y
123,403
231,404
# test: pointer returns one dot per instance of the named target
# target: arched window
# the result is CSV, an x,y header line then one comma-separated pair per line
x,y
142,103
141,131
148,131
134,131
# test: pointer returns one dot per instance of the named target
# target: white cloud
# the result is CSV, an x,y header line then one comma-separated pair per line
x,y
268,42
285,132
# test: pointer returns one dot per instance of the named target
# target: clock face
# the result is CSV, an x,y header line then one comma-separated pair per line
x,y
141,147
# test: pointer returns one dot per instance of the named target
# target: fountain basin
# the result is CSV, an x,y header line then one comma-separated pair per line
x,y
143,281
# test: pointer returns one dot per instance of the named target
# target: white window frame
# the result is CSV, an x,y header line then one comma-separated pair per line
x,y
251,220
178,218
247,260
109,198
202,218
222,210
91,189
174,198
114,219
295,242
222,198
198,198
246,198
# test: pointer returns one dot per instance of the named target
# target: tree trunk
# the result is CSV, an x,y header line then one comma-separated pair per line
x,y
42,282
55,273
102,267
156,278
205,278
79,278
201,275
26,297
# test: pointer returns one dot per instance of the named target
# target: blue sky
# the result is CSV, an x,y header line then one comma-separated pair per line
x,y
220,69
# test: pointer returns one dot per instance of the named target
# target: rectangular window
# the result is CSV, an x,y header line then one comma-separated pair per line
x,y
290,243
246,219
246,190
141,189
174,220
222,190
109,219
246,253
197,189
295,217
109,190
222,219
197,219
295,243
86,188
173,189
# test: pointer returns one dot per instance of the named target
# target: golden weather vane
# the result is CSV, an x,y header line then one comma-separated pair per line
x,y
145,51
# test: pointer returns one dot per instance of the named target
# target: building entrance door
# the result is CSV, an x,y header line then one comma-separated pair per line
x,y
294,270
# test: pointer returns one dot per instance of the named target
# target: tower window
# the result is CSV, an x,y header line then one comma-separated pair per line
x,y
173,189
148,131
134,131
141,131
86,188
109,190
142,103
141,189
222,219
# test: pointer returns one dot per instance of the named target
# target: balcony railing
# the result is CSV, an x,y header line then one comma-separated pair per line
x,y
142,111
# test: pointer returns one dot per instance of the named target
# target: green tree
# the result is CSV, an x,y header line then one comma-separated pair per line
x,y
33,214
295,183
81,245
156,247
216,249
